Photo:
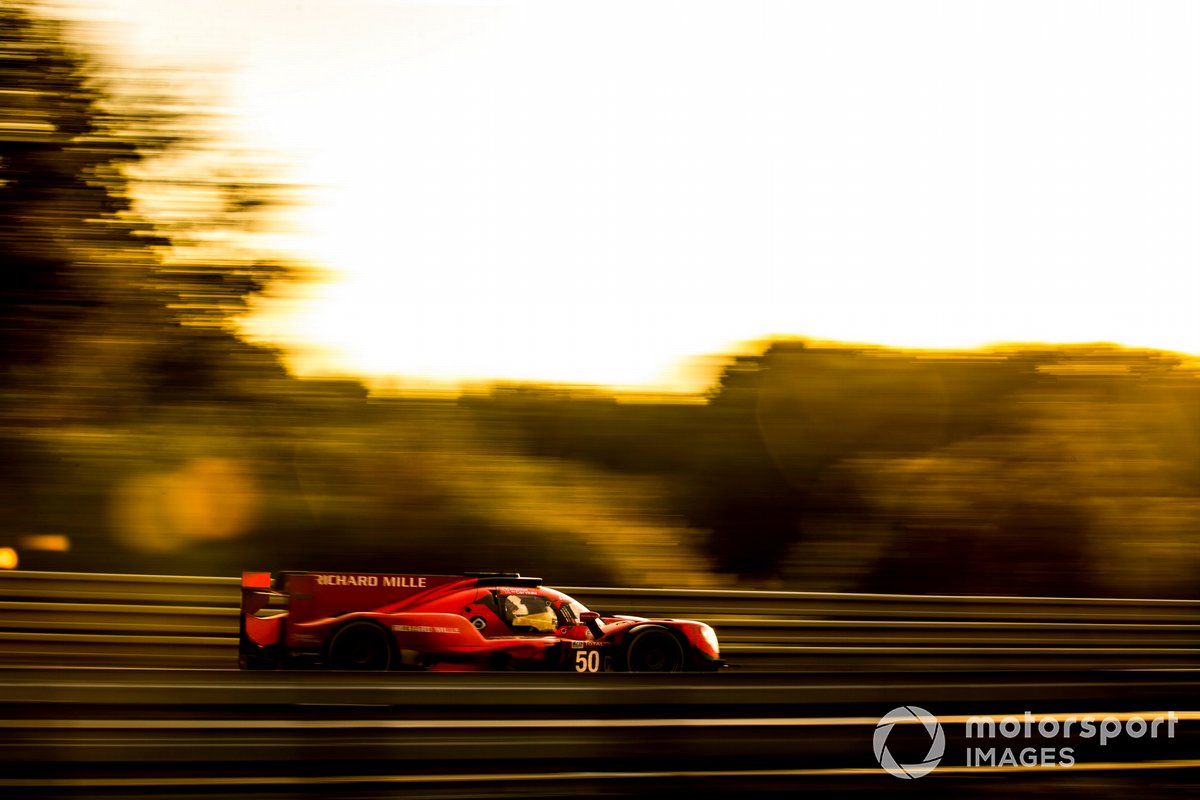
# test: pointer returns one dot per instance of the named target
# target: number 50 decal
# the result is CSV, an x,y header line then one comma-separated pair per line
x,y
587,661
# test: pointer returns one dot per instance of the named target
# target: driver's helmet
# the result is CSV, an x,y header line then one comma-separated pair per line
x,y
515,607
531,612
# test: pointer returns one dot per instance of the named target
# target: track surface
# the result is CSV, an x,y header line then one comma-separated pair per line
x,y
189,733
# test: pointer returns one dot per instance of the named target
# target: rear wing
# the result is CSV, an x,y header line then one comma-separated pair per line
x,y
260,628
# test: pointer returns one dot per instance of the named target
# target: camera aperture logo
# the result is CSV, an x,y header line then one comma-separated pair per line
x,y
937,746
1030,741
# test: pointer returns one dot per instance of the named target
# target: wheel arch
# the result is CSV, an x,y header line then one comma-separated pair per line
x,y
641,627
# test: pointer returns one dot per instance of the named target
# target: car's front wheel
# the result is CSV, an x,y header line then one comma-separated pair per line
x,y
654,650
360,646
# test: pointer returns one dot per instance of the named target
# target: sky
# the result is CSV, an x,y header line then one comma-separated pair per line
x,y
597,192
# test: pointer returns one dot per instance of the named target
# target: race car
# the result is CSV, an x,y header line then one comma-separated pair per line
x,y
473,621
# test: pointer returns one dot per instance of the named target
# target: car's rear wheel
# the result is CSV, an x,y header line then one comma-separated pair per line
x,y
360,646
655,650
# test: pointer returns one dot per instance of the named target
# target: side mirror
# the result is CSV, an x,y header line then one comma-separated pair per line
x,y
592,620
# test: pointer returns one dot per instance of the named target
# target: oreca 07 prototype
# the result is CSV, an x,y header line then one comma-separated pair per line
x,y
475,621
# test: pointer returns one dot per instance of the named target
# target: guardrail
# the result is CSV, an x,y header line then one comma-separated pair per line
x,y
95,619
155,620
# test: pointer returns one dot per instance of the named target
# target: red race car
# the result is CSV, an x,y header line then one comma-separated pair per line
x,y
475,621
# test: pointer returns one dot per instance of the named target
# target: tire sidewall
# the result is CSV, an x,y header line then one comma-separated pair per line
x,y
644,638
345,635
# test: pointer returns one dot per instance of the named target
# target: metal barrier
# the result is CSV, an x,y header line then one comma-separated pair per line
x,y
817,630
95,619
827,605
154,620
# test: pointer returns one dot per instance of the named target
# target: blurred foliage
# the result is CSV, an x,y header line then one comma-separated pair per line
x,y
1040,470
140,430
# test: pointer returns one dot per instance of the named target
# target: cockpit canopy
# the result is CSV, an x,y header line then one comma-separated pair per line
x,y
526,611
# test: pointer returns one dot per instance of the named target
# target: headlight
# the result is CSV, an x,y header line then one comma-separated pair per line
x,y
710,639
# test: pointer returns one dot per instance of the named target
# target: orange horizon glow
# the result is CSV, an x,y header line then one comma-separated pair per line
x,y
693,376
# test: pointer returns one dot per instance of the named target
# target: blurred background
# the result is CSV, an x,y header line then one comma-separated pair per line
x,y
159,415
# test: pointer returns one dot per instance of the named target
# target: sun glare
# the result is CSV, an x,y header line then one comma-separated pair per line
x,y
578,193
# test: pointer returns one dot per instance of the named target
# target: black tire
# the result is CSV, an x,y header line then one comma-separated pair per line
x,y
360,646
654,650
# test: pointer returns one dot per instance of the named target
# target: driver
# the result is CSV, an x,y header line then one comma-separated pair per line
x,y
520,613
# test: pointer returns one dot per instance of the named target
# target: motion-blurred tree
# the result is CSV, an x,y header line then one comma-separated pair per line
x,y
111,314
93,293
62,190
